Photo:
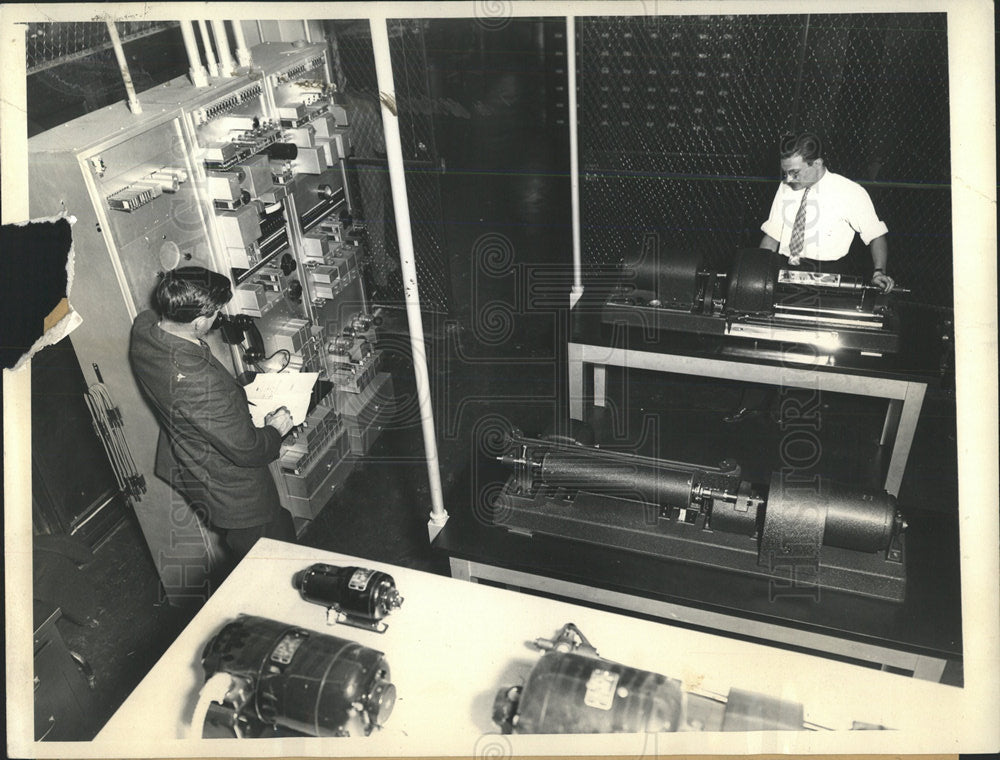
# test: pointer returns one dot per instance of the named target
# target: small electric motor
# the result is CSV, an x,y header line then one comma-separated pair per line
x,y
286,680
353,596
572,690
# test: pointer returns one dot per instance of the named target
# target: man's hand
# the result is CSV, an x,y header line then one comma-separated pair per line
x,y
883,281
280,419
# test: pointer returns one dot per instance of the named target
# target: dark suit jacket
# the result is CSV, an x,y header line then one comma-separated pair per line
x,y
209,449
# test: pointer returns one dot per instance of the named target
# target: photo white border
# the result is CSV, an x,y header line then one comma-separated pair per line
x,y
964,719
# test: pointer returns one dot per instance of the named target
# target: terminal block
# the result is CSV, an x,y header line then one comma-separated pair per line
x,y
205,114
134,196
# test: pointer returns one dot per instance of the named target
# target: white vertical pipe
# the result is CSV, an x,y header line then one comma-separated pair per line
x,y
574,159
407,261
226,64
242,51
116,43
206,41
308,33
197,71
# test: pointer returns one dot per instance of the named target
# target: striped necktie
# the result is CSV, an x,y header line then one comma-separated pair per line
x,y
799,228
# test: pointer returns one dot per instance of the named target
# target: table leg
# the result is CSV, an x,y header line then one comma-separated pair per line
x,y
929,669
461,569
905,430
575,371
891,421
600,384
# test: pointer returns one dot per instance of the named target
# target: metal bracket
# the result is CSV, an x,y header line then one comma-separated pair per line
x,y
335,615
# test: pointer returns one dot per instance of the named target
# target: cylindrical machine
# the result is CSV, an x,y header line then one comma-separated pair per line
x,y
839,515
751,281
610,475
836,514
305,681
666,279
572,690
740,515
570,693
355,591
858,520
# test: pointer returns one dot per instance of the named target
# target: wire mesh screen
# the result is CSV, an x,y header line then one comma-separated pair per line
x,y
354,64
72,69
679,120
51,44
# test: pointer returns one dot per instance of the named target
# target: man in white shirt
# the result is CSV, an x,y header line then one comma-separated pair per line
x,y
814,218
829,210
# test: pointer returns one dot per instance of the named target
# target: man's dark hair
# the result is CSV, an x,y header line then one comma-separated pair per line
x,y
186,293
805,144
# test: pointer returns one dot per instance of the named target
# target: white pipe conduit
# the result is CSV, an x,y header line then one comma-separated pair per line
x,y
226,64
206,41
116,43
197,71
407,261
242,51
574,159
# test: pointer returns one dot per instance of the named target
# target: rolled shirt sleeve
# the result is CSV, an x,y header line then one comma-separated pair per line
x,y
863,218
774,225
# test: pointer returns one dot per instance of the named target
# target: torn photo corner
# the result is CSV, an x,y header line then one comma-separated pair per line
x,y
36,272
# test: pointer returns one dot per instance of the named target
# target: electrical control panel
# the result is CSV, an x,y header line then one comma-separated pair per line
x,y
245,176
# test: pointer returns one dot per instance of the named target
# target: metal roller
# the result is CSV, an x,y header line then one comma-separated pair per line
x,y
584,470
850,539
751,281
670,278
858,520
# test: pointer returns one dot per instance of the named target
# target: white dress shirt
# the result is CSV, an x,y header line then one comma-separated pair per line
x,y
836,209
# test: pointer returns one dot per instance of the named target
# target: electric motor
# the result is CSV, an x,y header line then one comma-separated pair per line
x,y
359,596
572,690
308,682
570,693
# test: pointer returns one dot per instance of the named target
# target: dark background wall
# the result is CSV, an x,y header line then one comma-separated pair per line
x,y
680,119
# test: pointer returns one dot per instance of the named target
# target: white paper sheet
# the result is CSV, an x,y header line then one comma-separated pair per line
x,y
271,390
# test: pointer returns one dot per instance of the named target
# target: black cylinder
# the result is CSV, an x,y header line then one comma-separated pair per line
x,y
845,517
305,681
669,276
858,520
283,151
751,281
740,515
569,693
361,592
644,482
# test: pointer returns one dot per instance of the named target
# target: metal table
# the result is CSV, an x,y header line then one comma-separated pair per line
x,y
902,379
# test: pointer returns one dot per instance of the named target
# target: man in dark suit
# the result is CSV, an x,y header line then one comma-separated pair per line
x,y
209,449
